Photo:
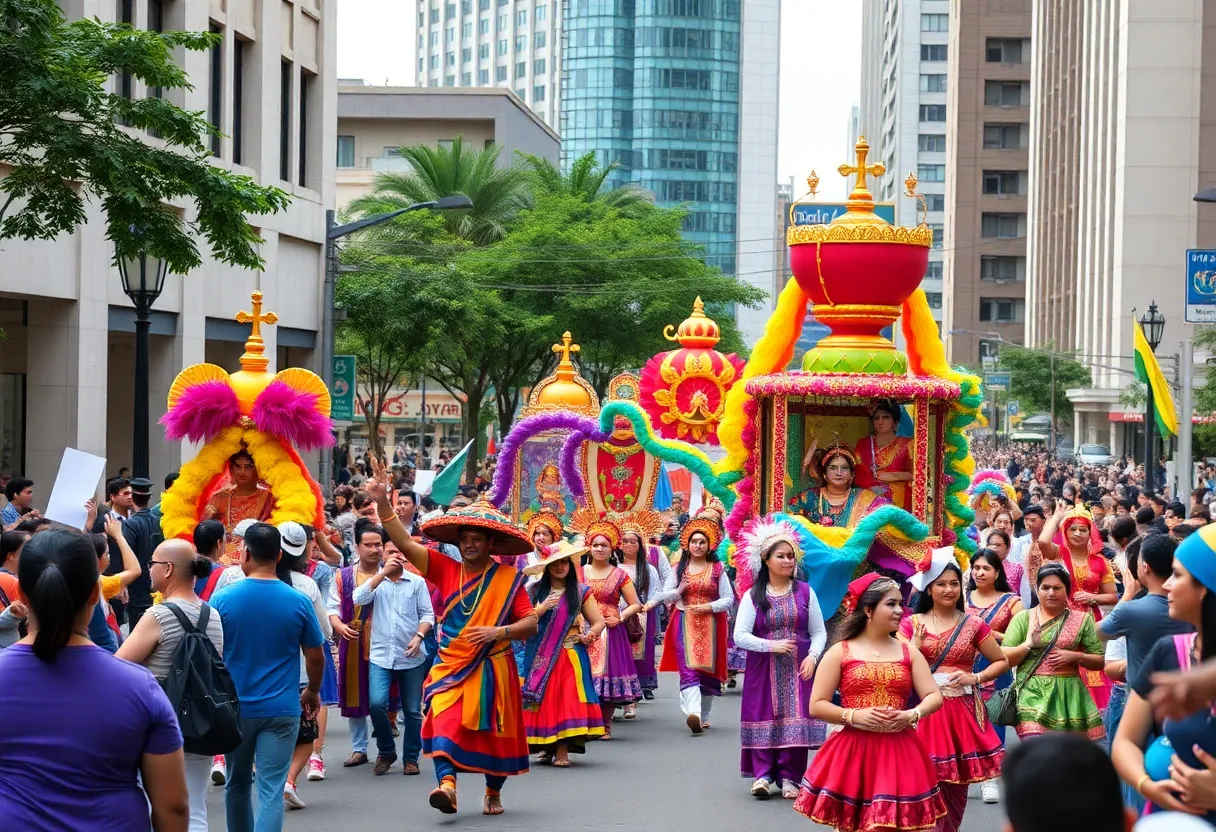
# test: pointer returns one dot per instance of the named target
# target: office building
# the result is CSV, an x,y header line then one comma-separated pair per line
x,y
903,113
494,43
682,96
66,366
987,177
1123,133
375,122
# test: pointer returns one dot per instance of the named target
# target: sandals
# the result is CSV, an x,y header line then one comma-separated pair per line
x,y
443,798
492,805
631,711
544,757
561,763
356,759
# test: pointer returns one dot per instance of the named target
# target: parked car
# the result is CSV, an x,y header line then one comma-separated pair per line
x,y
1064,451
1094,455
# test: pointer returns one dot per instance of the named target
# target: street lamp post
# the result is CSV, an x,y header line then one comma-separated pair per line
x,y
1153,324
333,233
143,279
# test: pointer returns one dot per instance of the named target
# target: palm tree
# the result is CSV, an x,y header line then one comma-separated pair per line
x,y
585,179
435,172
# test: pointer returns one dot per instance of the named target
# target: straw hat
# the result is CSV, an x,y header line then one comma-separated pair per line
x,y
506,537
558,551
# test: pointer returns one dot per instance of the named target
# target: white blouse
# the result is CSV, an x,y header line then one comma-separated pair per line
x,y
745,623
671,592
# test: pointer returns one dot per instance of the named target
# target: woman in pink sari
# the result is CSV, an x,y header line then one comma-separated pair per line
x,y
885,457
1071,538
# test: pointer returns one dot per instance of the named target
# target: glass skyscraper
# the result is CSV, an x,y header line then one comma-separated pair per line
x,y
654,85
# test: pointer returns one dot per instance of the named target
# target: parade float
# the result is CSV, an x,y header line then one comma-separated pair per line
x,y
251,424
860,275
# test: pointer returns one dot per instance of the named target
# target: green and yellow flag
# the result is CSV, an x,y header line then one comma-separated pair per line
x,y
1148,371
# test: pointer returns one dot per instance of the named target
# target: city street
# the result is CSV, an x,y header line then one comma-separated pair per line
x,y
653,775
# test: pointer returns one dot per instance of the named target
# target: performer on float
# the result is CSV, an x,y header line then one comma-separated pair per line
x,y
781,628
1071,538
695,642
245,499
833,499
884,457
561,709
475,719
636,529
959,738
544,529
874,774
612,665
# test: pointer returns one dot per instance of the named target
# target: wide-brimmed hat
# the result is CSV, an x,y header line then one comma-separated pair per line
x,y
558,551
508,538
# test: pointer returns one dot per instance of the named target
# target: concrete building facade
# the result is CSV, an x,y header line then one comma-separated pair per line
x,y
903,111
987,177
1112,215
66,363
373,122
482,43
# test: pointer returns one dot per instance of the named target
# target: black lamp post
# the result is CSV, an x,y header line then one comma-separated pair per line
x,y
143,278
1153,325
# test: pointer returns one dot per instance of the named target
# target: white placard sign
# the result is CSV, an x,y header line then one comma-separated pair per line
x,y
75,485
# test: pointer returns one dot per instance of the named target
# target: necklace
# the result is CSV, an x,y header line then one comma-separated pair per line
x,y
480,588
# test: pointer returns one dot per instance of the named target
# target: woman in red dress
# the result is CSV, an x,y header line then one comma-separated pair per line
x,y
960,740
1078,546
886,457
875,772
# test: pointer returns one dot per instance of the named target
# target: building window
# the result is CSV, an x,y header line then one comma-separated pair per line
x,y
500,73
126,14
522,94
538,66
689,79
483,26
215,98
450,35
538,40
434,15
239,48
933,83
346,151
483,5
503,23
285,121
466,6
540,11
434,62
449,80
934,271
503,46
434,37
521,17
538,94
521,43
521,70
1003,183
931,173
935,23
306,84
483,77
933,51
451,59
939,235
1002,226
1006,93
994,267
483,51
466,55
466,30
989,351
932,112
1004,51
935,202
1002,136
466,79
449,11
447,144
421,19
931,142
935,299
1002,310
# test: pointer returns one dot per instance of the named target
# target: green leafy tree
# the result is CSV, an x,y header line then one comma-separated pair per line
x,y
586,180
435,172
1205,396
62,142
1030,378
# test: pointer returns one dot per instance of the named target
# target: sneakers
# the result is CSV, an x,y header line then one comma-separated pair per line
x,y
291,800
631,711
990,793
219,774
316,768
760,788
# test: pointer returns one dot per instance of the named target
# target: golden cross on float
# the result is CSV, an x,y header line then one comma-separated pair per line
x,y
564,349
254,359
861,196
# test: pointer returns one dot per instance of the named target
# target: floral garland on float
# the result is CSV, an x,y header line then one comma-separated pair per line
x,y
265,415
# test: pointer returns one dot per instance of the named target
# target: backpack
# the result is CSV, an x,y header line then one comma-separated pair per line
x,y
201,690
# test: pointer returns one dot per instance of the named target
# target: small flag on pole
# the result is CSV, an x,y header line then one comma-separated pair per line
x,y
447,481
1148,372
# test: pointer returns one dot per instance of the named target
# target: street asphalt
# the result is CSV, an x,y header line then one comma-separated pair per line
x,y
653,775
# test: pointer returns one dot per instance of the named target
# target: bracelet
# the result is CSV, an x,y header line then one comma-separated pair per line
x,y
1140,784
384,521
915,717
846,718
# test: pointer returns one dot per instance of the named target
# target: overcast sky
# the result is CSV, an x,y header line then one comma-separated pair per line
x,y
820,74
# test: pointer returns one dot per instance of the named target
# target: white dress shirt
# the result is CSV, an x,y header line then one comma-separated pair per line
x,y
401,606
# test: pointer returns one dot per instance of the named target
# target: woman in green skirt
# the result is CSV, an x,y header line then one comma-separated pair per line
x,y
1051,693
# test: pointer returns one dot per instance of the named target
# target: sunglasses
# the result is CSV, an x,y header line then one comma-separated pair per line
x,y
160,563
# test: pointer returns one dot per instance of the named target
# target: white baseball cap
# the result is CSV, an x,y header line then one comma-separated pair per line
x,y
243,526
293,538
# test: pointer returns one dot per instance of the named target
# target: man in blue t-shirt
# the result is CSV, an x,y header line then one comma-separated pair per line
x,y
266,624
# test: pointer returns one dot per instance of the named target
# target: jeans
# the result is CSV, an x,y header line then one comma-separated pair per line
x,y
1132,799
198,780
409,682
268,742
358,733
446,768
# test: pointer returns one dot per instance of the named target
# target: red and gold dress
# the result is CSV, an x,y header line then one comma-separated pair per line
x,y
861,781
895,458
232,508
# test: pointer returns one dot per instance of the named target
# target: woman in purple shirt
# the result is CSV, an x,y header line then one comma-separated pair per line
x,y
81,728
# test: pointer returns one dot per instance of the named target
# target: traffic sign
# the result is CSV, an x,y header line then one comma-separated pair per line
x,y
1013,407
1201,286
997,381
342,391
